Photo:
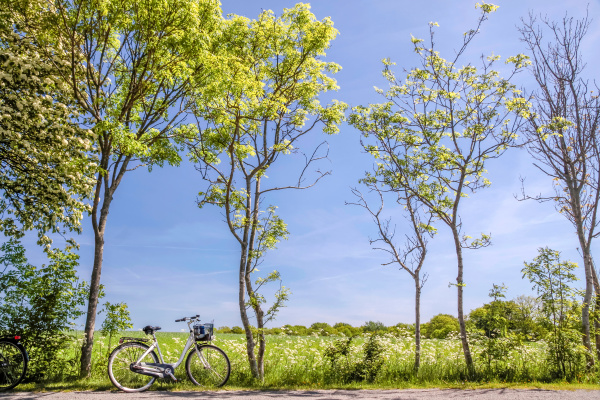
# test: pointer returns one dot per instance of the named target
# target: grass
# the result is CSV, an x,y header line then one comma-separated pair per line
x,y
299,363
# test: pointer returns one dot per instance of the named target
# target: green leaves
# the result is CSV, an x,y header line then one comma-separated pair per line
x,y
47,159
552,279
440,125
40,303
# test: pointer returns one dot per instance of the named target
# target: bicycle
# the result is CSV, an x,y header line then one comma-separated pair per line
x,y
13,362
133,366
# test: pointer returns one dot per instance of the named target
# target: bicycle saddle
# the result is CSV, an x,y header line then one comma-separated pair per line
x,y
149,330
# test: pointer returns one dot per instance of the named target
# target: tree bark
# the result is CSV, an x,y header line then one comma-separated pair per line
x,y
597,313
461,317
417,323
588,267
243,313
243,288
108,187
587,301
90,322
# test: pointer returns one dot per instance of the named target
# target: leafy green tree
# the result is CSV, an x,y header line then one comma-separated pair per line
x,y
372,326
45,157
436,132
224,329
441,325
561,135
526,321
116,320
40,304
268,104
132,65
346,329
552,279
237,330
494,319
323,329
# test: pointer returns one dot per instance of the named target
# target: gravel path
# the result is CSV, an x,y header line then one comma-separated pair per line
x,y
408,394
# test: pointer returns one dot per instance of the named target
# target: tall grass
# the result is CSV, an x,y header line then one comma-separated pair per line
x,y
293,361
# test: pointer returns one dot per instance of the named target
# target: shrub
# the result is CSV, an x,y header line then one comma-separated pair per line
x,y
440,326
237,330
40,304
371,326
365,369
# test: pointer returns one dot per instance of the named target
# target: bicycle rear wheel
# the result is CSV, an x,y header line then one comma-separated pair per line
x,y
119,370
208,366
13,365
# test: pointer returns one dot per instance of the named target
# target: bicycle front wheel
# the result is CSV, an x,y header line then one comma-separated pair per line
x,y
13,365
208,366
119,367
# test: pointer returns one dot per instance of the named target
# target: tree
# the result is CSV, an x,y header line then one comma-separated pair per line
x,y
268,104
45,157
528,317
436,131
117,319
40,304
441,325
495,318
132,64
561,135
412,257
552,279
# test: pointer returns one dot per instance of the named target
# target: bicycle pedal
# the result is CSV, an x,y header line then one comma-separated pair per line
x,y
170,375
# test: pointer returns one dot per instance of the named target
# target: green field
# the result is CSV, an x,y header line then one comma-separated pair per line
x,y
301,362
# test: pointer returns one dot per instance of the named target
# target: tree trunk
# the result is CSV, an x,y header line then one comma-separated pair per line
x,y
597,313
461,318
417,323
587,301
90,321
99,226
260,336
250,344
244,279
589,282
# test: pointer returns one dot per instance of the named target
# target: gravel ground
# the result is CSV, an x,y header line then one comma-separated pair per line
x,y
408,394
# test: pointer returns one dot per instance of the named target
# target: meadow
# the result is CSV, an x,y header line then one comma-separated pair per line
x,y
305,362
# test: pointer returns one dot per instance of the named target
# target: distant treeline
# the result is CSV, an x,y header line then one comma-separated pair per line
x,y
495,319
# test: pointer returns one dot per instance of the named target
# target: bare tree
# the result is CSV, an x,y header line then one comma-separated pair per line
x,y
562,132
410,258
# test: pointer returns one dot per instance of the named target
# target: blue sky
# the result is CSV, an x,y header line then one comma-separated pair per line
x,y
167,259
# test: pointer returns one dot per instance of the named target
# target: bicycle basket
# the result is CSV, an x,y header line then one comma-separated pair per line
x,y
203,332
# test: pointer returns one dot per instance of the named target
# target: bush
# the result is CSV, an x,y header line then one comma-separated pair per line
x,y
365,369
371,327
440,326
296,330
237,330
117,319
40,304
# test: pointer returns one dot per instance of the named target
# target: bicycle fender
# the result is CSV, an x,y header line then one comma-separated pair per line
x,y
20,346
17,343
126,339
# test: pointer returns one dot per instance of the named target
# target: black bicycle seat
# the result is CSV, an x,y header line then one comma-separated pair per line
x,y
149,330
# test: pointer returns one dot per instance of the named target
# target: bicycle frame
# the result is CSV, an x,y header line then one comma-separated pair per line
x,y
161,369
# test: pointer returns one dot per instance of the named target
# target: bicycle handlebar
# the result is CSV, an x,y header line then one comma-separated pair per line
x,y
186,318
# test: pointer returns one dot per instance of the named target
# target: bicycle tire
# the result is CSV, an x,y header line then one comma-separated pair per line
x,y
208,366
118,367
13,365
